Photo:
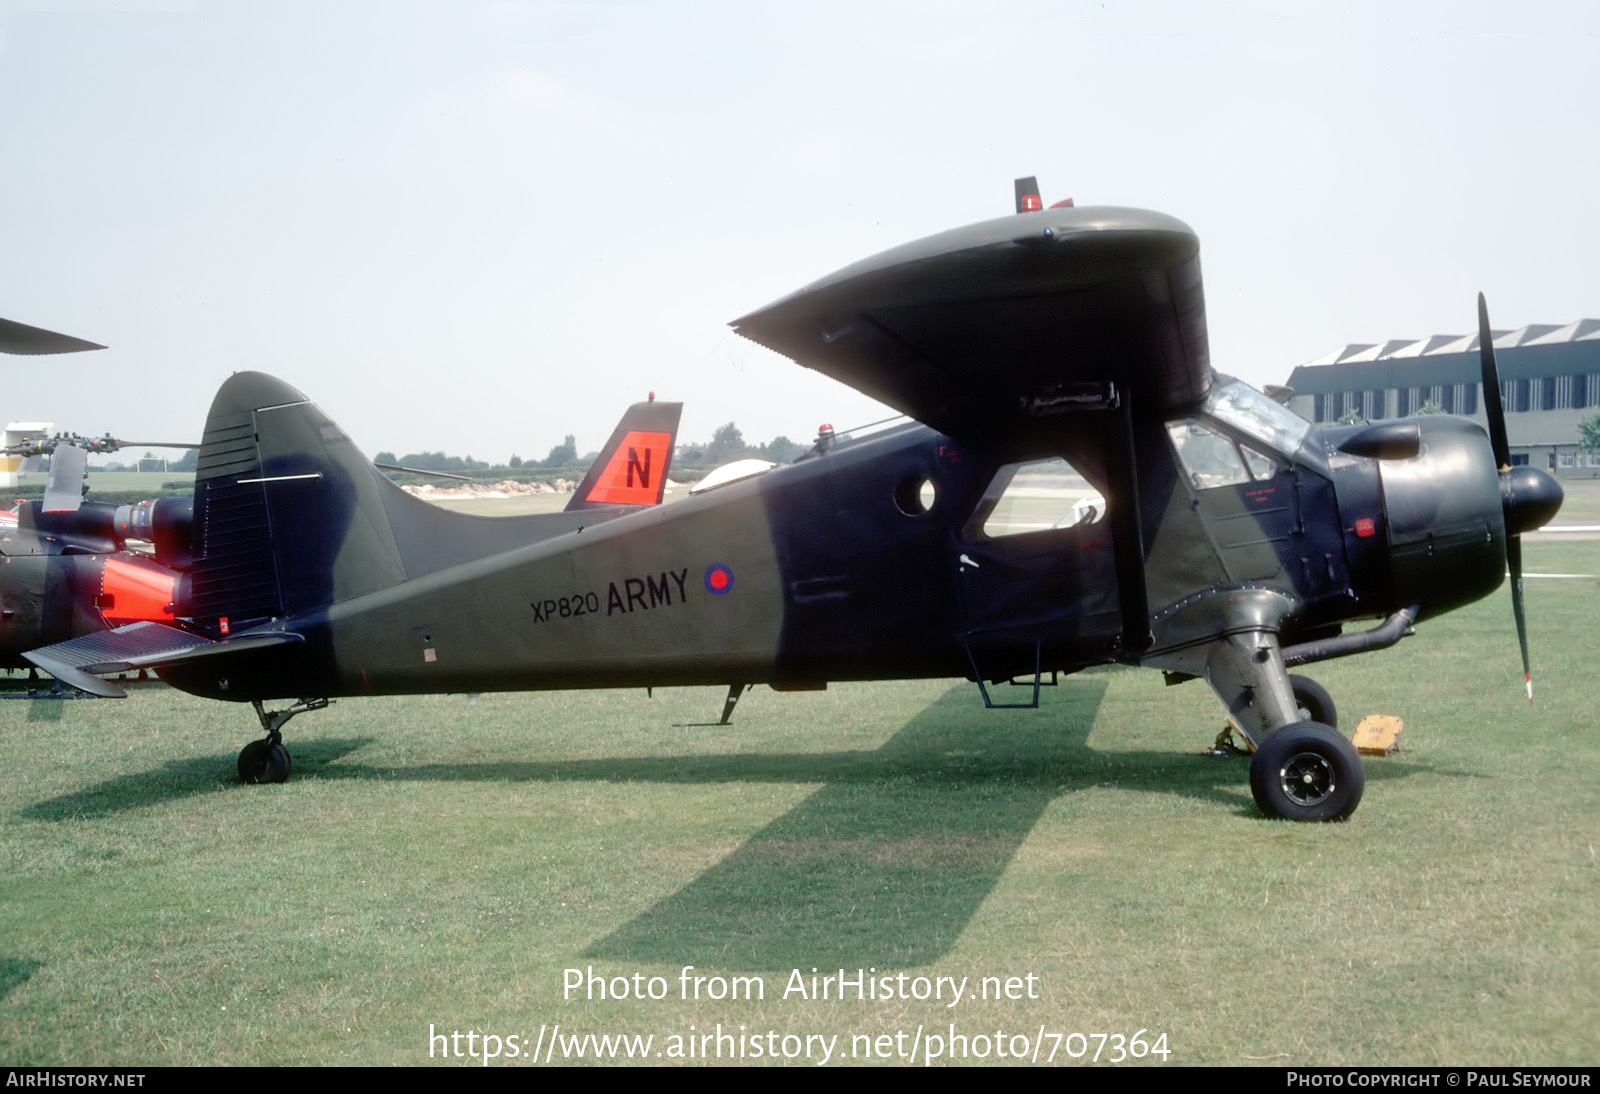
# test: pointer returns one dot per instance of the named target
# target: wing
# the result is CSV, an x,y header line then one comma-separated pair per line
x,y
1008,323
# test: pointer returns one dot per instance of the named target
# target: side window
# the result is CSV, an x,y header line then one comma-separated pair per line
x,y
1261,467
1209,458
1037,496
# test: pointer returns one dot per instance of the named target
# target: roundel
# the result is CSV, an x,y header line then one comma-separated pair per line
x,y
719,579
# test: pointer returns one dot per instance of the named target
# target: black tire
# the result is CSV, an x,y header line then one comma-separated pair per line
x,y
1315,704
1307,772
264,762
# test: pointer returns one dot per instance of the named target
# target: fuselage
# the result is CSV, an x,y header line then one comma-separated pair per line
x,y
889,557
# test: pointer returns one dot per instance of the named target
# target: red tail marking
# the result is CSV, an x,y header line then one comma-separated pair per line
x,y
633,474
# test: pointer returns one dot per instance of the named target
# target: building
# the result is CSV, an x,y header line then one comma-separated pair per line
x,y
1549,381
17,433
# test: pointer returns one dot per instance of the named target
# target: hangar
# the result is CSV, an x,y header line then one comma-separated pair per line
x,y
1549,381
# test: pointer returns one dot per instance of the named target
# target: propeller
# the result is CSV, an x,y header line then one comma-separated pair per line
x,y
1529,496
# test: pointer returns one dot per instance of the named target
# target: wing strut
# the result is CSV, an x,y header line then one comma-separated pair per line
x,y
1127,530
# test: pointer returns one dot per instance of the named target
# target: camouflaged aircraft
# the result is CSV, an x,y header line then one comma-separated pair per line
x,y
1077,487
71,567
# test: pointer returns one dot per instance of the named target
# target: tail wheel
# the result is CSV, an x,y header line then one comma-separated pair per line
x,y
1307,772
1315,704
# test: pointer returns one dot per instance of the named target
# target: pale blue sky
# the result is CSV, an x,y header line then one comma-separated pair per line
x,y
479,226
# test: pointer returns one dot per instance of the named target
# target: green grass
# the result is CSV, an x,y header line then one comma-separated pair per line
x,y
439,861
1582,502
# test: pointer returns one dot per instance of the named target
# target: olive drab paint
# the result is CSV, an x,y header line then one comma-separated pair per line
x,y
1218,537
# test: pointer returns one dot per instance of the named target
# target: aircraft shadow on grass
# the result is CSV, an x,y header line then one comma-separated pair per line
x,y
174,781
15,972
891,858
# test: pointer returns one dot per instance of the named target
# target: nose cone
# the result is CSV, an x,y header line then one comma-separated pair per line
x,y
1530,497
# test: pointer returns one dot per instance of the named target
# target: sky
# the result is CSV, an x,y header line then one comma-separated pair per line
x,y
478,227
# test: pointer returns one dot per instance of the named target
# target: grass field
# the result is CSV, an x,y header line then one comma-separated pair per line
x,y
438,863
119,480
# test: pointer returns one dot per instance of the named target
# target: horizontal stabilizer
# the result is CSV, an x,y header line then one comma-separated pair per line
x,y
21,338
139,645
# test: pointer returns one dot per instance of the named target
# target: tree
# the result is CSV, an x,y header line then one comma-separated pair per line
x,y
437,461
727,443
782,450
1429,407
564,454
516,461
1349,417
1589,433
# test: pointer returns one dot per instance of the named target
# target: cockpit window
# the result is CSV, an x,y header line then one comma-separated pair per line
x,y
1209,458
1261,466
1251,412
1037,496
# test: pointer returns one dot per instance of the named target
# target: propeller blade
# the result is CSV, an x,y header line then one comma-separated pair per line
x,y
1529,496
1492,407
1514,563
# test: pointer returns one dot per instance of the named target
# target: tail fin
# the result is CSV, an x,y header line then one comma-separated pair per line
x,y
632,468
290,517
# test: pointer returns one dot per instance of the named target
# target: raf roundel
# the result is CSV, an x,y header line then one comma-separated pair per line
x,y
719,579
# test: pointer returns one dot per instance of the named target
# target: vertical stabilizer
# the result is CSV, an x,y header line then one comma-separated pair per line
x,y
288,515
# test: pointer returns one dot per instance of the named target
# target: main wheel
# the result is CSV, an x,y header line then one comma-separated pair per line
x,y
1315,704
1307,772
264,761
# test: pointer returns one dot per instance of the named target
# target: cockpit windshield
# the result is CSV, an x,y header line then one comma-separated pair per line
x,y
1251,412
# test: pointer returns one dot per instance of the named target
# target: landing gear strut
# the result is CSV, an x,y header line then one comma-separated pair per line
x,y
266,760
1304,769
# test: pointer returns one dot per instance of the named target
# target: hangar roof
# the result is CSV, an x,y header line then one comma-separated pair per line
x,y
1453,358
